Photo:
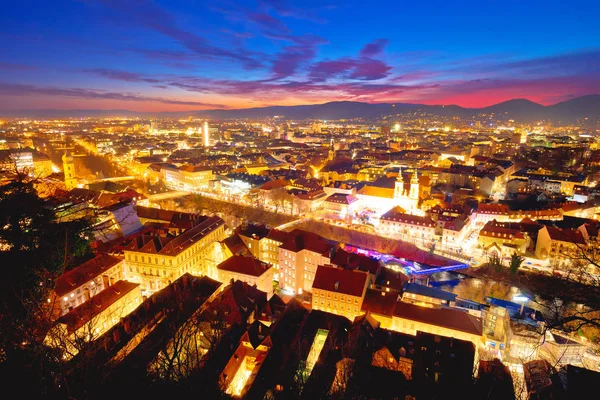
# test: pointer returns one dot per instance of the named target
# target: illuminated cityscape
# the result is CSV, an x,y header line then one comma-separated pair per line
x,y
300,221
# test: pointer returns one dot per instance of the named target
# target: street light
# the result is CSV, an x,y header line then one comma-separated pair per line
x,y
520,298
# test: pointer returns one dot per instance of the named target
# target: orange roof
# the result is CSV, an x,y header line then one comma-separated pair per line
x,y
375,191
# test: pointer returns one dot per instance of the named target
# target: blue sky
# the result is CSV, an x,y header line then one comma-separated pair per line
x,y
179,55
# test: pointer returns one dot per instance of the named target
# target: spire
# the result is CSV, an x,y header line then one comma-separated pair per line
x,y
415,177
414,186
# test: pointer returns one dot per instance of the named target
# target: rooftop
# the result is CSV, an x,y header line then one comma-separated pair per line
x,y
83,273
340,280
80,315
244,265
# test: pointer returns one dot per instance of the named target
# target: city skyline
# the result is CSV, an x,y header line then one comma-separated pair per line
x,y
160,56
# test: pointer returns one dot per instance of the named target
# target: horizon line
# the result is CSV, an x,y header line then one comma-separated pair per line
x,y
15,111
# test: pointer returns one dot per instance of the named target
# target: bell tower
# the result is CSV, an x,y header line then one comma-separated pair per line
x,y
399,185
69,170
414,186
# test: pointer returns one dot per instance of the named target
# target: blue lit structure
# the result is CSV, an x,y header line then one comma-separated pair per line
x,y
409,267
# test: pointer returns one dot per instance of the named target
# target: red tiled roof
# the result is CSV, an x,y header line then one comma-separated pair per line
x,y
278,236
84,273
349,260
194,168
375,191
275,184
382,303
341,198
244,265
393,215
444,317
83,313
566,235
495,229
492,208
302,240
173,246
340,280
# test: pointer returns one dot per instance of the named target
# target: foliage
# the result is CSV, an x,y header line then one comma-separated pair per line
x,y
495,261
515,262
35,248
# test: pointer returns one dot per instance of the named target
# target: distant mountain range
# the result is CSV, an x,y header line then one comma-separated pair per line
x,y
520,110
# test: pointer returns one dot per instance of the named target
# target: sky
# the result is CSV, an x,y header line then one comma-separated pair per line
x,y
168,55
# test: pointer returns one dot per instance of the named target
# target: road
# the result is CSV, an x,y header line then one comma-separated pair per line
x,y
152,198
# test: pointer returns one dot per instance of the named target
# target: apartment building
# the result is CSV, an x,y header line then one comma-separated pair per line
x,y
91,319
247,269
339,291
299,257
155,260
395,221
83,282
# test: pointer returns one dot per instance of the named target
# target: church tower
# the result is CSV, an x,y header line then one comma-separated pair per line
x,y
399,185
414,186
69,170
331,151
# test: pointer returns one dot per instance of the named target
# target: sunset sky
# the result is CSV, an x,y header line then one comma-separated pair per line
x,y
187,55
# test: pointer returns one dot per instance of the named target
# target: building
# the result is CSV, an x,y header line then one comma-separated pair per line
x,y
450,322
155,260
339,291
205,134
558,243
381,197
397,222
299,256
25,160
69,171
80,284
239,373
400,316
264,243
426,296
247,269
189,178
340,204
91,319
118,220
505,236
560,349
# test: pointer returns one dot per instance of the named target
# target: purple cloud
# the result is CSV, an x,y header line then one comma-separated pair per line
x,y
282,8
16,67
287,62
348,68
268,22
120,75
364,67
151,16
374,49
32,90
